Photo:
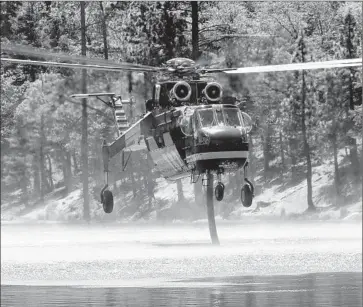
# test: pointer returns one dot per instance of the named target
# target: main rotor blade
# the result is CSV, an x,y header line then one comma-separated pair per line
x,y
55,56
77,66
295,66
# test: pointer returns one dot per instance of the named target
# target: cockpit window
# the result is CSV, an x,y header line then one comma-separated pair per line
x,y
221,116
206,117
186,125
231,117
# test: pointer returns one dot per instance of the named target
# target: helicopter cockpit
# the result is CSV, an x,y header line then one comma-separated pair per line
x,y
196,118
213,128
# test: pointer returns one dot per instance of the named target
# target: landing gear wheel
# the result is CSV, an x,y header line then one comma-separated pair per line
x,y
219,191
107,201
246,195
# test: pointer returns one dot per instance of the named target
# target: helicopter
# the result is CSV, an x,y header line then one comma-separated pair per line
x,y
189,128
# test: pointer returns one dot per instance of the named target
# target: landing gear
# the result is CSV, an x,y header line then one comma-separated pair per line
x,y
247,195
106,195
107,200
247,191
219,191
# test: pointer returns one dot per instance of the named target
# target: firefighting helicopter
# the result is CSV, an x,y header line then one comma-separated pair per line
x,y
189,129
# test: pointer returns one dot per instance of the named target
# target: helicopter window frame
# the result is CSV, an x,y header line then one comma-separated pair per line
x,y
220,111
200,121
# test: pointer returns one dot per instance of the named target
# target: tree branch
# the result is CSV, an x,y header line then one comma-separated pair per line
x,y
212,28
289,18
278,21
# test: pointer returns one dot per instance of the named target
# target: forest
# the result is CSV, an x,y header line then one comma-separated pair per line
x,y
300,118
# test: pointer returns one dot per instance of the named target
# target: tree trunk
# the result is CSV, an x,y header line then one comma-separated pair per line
x,y
130,87
65,169
198,192
36,175
41,161
104,32
50,173
293,155
84,145
24,184
293,140
336,167
97,165
306,147
361,165
69,171
353,148
146,89
195,30
252,166
105,44
75,165
282,153
266,153
352,143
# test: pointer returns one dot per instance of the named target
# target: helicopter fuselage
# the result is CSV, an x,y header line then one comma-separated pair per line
x,y
190,129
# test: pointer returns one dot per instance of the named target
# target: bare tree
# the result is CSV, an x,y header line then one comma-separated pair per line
x,y
84,145
195,30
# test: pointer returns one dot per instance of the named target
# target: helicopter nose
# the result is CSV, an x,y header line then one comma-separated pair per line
x,y
223,134
222,138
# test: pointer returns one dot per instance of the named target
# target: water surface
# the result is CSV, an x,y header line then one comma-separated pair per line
x,y
332,289
267,264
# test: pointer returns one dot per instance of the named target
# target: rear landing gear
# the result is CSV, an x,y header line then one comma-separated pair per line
x,y
247,191
107,199
106,195
247,195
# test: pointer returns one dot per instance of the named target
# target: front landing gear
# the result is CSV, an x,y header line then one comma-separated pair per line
x,y
219,190
107,199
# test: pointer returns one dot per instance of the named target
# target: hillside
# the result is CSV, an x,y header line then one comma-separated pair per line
x,y
276,200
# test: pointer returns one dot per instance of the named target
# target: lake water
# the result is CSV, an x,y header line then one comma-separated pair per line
x,y
257,264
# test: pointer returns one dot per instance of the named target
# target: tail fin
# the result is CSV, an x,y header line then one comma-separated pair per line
x,y
120,117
